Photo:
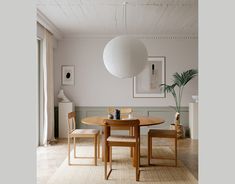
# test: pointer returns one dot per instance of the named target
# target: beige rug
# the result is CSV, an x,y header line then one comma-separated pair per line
x,y
123,172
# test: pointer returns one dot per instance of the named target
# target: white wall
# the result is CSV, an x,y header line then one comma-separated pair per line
x,y
94,86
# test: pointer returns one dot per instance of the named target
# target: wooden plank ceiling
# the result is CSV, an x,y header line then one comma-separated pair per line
x,y
106,17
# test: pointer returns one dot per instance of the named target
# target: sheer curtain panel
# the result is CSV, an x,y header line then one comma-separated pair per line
x,y
48,89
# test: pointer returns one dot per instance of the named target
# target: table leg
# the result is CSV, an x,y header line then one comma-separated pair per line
x,y
103,145
134,161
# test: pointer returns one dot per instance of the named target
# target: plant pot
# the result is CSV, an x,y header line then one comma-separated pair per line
x,y
180,130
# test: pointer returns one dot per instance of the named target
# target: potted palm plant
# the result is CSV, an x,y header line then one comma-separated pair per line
x,y
179,82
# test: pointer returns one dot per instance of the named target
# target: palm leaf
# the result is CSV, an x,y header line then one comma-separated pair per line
x,y
168,88
178,79
171,89
183,78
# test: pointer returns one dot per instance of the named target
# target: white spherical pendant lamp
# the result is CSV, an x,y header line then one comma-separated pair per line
x,y
125,56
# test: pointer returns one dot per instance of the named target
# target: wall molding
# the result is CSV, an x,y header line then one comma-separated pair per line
x,y
166,113
156,108
156,37
112,3
45,22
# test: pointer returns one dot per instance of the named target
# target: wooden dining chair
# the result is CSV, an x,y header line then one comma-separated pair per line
x,y
121,140
81,133
124,114
124,111
161,133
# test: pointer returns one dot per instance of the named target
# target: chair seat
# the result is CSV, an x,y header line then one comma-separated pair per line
x,y
118,138
85,132
162,133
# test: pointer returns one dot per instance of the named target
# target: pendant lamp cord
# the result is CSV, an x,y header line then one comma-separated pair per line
x,y
124,15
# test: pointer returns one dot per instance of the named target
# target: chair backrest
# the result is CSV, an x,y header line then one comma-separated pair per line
x,y
71,121
124,111
122,123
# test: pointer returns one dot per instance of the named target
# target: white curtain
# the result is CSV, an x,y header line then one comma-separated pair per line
x,y
48,89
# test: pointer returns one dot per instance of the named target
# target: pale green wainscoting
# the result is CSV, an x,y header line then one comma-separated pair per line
x,y
166,113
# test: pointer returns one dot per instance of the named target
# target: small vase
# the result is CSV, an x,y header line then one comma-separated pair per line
x,y
110,116
117,114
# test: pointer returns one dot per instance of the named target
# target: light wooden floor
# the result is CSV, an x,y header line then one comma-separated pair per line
x,y
51,157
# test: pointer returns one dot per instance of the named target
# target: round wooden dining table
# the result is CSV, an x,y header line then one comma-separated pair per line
x,y
99,121
144,121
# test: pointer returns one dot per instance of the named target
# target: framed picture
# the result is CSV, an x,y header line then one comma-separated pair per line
x,y
67,73
147,83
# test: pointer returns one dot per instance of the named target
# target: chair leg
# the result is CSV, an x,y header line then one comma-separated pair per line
x,y
110,157
98,140
68,150
131,148
149,148
105,162
175,152
134,157
95,149
137,161
74,147
139,155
